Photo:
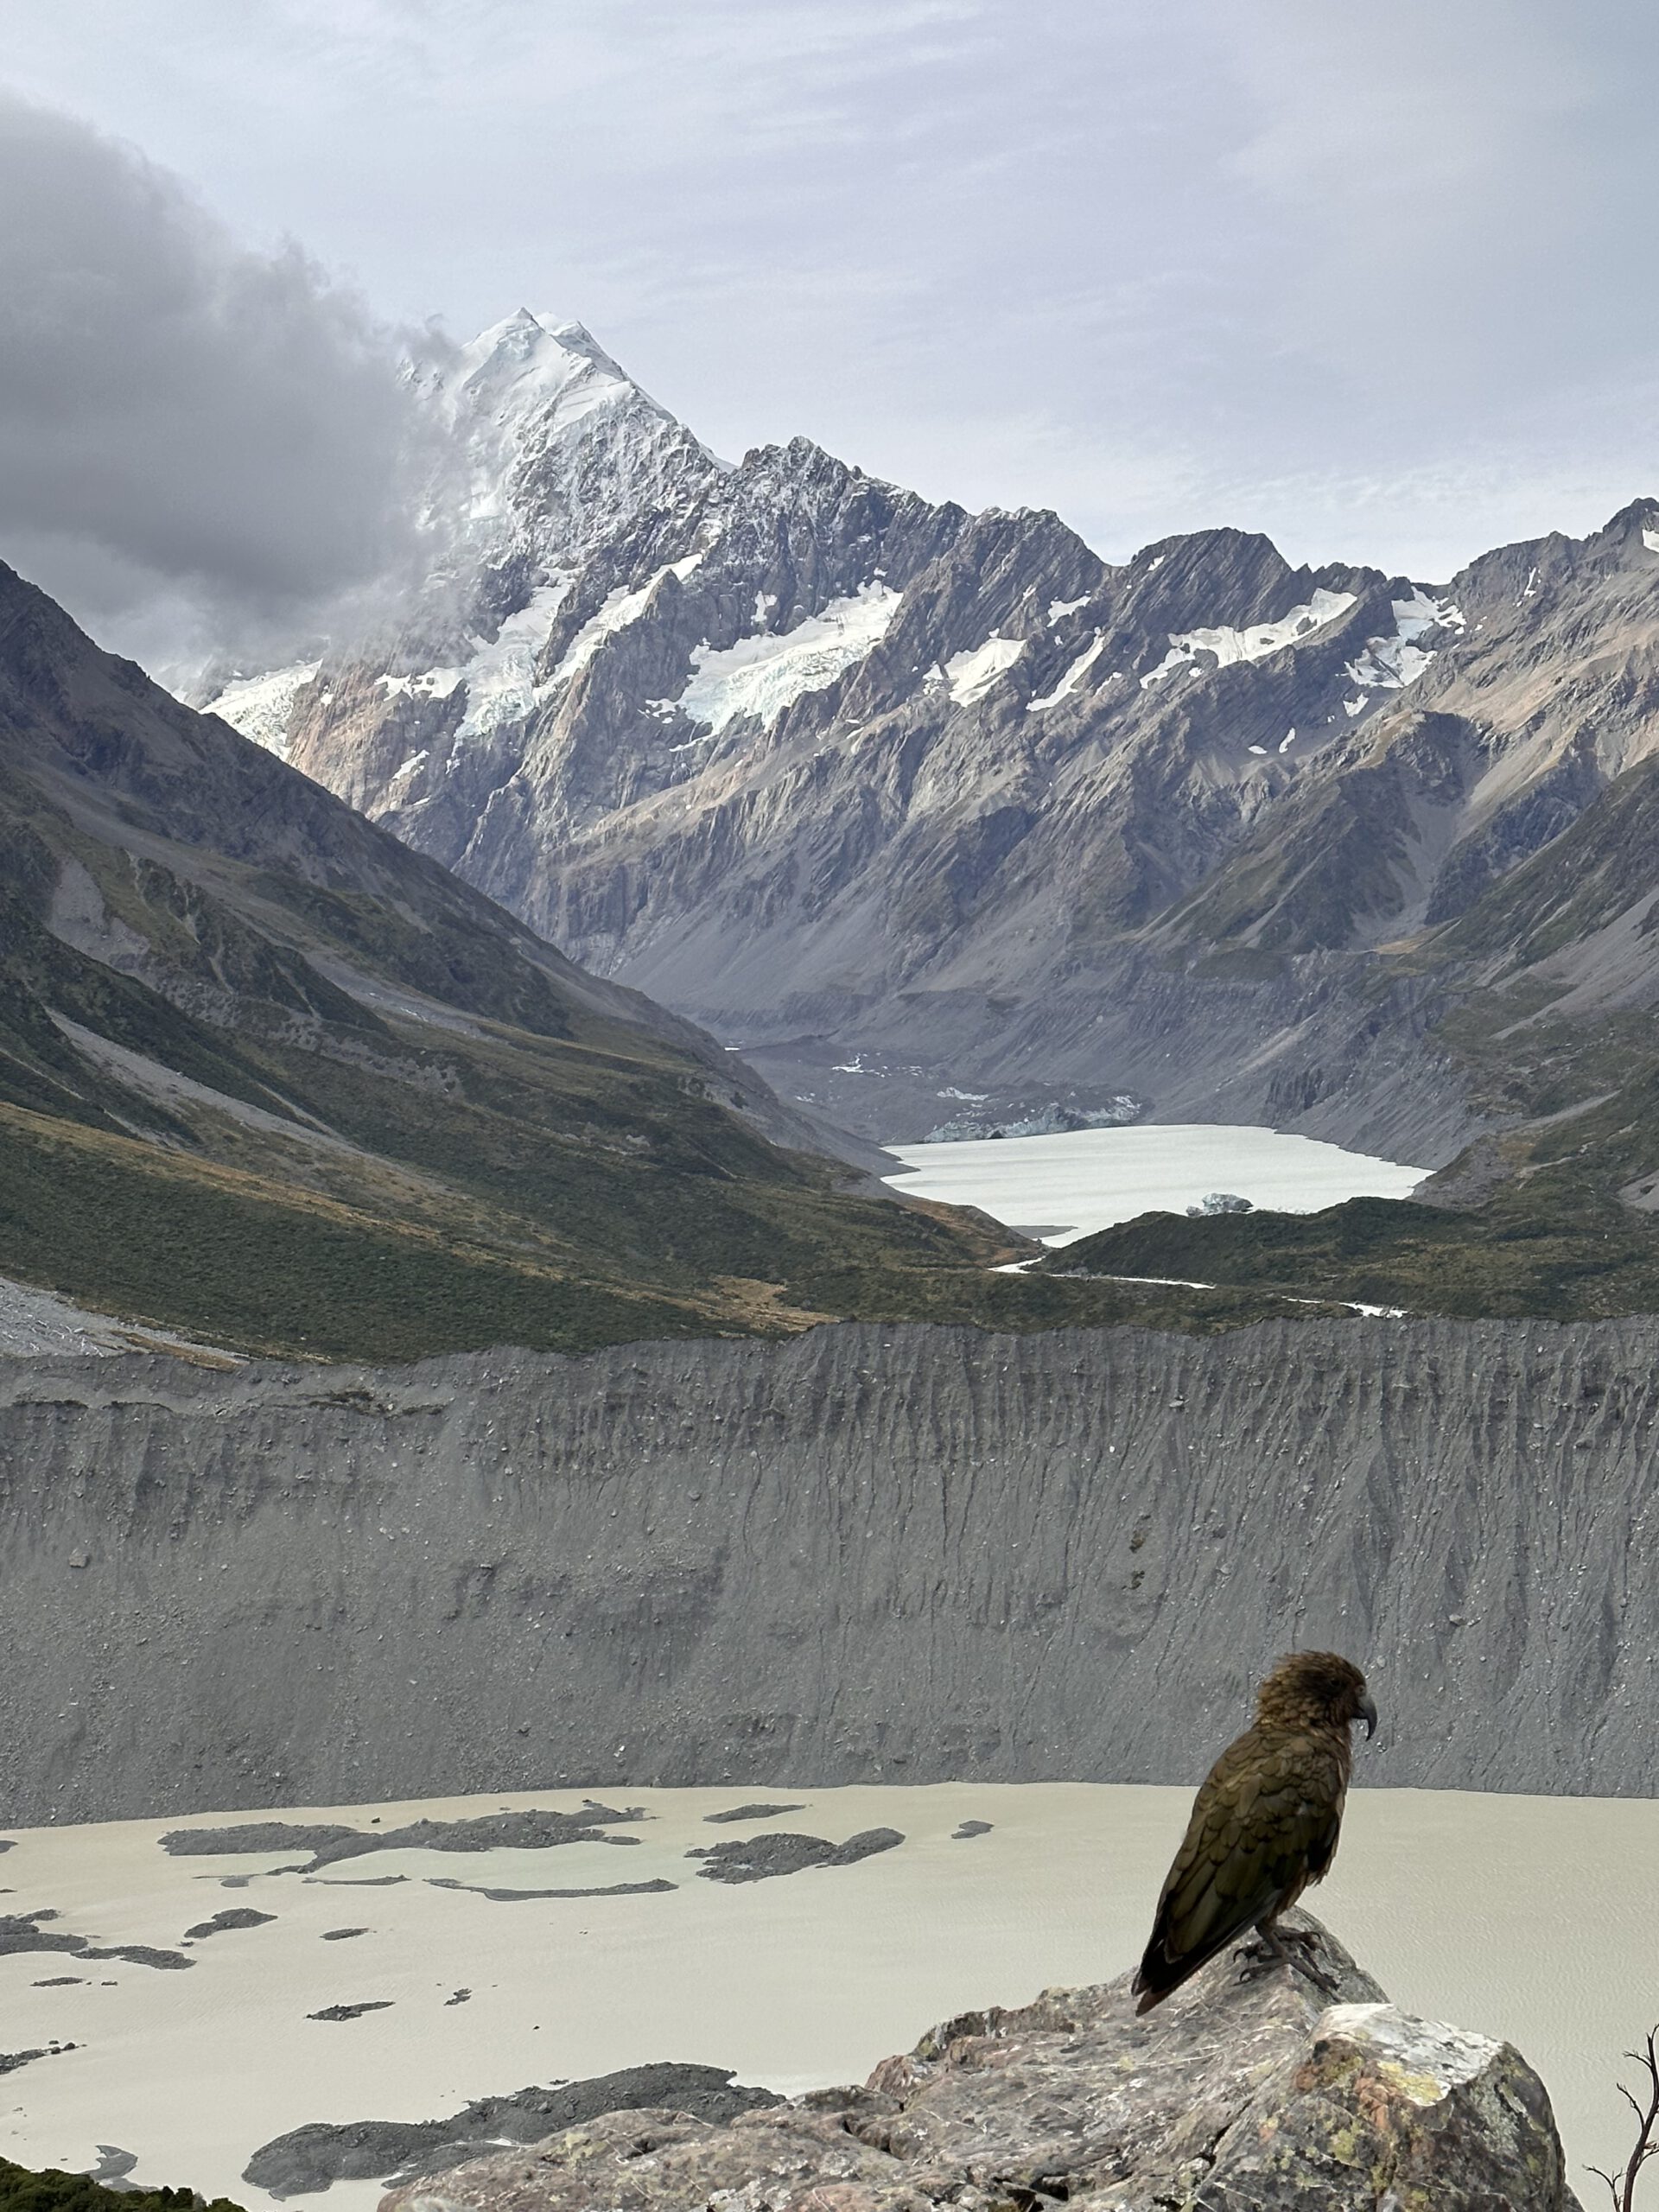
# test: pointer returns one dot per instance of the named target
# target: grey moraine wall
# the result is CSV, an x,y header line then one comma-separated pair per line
x,y
871,1554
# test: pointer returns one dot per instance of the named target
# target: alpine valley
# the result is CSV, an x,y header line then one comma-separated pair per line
x,y
430,1071
910,806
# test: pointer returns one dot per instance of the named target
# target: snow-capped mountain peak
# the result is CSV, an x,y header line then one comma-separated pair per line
x,y
528,362
545,450
784,744
596,566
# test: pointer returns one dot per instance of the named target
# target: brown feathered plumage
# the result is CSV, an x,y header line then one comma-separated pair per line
x,y
1265,1823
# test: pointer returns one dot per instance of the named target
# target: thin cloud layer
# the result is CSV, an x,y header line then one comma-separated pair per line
x,y
1360,277
193,437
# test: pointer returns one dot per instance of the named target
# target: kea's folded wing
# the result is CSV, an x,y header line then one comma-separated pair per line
x,y
1263,1825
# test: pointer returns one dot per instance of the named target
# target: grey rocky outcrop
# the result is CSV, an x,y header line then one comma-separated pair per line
x,y
1060,1557
315,2156
1247,2091
765,1858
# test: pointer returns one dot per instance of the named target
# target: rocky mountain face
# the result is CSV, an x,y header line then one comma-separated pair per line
x,y
269,1076
911,801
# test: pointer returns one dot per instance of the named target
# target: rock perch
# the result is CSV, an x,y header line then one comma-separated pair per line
x,y
1246,2092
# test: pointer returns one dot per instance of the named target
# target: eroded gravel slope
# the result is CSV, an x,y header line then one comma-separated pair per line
x,y
871,1554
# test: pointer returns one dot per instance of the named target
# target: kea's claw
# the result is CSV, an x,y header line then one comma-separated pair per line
x,y
1305,1937
1271,1948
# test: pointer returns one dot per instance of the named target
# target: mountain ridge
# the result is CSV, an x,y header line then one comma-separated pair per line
x,y
905,802
233,1011
272,1081
660,736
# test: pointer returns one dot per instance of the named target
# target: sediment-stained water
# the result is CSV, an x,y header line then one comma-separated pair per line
x,y
1525,1917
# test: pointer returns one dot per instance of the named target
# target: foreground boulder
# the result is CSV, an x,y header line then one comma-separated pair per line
x,y
1237,2095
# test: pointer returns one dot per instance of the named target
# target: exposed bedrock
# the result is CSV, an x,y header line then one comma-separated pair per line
x,y
1240,2095
870,1553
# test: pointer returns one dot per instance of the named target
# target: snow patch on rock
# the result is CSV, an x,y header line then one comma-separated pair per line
x,y
972,673
1074,675
1254,642
1388,664
435,684
762,675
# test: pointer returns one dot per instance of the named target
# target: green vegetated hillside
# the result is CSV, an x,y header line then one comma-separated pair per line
x,y
23,2190
270,1078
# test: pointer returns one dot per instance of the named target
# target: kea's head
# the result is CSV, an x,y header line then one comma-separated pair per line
x,y
1319,1690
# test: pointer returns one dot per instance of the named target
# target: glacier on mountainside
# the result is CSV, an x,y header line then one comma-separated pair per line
x,y
621,609
763,675
261,706
502,686
500,674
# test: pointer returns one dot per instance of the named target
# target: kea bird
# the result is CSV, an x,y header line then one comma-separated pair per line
x,y
1264,1825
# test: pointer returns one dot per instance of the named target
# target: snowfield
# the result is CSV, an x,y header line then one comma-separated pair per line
x,y
971,674
1256,642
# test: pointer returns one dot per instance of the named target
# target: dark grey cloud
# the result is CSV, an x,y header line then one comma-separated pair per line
x,y
193,435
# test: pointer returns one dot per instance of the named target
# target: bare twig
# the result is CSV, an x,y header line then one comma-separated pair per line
x,y
1622,2189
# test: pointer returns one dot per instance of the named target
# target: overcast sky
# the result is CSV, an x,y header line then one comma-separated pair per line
x,y
1377,278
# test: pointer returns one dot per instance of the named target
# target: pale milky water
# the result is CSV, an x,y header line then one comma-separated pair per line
x,y
1087,1179
1526,1917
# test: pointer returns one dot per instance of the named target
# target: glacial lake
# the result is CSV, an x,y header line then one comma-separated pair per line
x,y
1068,1186
1525,1917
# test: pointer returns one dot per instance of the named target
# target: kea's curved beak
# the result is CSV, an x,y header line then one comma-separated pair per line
x,y
1367,1714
